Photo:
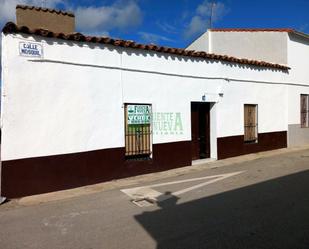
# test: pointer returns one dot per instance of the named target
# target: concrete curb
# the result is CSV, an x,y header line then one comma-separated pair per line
x,y
121,183
2,200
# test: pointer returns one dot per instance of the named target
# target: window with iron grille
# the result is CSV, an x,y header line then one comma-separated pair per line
x,y
138,140
251,124
304,110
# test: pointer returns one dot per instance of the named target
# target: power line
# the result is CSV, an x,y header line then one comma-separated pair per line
x,y
43,4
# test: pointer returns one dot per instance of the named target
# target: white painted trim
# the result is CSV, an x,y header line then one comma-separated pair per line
x,y
209,41
220,177
213,131
186,180
148,193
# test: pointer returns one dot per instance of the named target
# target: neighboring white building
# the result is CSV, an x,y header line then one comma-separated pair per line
x,y
78,110
283,46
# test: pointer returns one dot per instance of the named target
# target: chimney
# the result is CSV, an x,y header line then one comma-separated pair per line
x,y
54,20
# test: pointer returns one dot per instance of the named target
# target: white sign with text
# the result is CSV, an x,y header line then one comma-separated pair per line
x,y
31,49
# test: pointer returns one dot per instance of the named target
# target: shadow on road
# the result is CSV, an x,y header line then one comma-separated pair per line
x,y
272,214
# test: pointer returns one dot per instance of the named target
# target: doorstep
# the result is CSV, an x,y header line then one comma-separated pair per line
x,y
203,161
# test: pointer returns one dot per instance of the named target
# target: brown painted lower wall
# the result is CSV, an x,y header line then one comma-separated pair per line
x,y
51,173
235,146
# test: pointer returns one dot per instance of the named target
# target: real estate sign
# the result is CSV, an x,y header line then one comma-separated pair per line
x,y
139,114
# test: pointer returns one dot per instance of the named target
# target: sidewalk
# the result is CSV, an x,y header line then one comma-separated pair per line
x,y
121,183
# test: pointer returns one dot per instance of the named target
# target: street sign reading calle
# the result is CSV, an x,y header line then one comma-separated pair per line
x,y
139,114
30,49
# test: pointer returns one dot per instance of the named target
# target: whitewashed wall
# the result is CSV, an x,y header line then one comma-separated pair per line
x,y
72,101
266,46
272,107
294,103
280,47
298,59
201,43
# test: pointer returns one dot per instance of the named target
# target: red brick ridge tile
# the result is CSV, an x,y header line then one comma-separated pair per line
x,y
24,7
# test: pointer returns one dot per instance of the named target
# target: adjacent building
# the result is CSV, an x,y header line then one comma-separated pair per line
x,y
283,46
79,109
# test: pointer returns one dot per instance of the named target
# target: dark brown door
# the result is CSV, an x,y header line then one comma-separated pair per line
x,y
200,130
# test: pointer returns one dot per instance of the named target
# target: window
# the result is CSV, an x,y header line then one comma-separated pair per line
x,y
304,110
250,117
137,131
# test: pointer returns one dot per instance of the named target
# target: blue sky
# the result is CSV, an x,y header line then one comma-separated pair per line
x,y
172,23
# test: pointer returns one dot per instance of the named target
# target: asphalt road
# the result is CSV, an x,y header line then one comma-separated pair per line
x,y
266,205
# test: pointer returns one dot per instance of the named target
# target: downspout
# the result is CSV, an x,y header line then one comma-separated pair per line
x,y
2,199
288,90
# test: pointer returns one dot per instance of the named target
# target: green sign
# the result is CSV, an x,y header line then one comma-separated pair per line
x,y
139,114
167,123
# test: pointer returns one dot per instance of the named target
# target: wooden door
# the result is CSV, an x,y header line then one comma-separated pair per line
x,y
250,118
200,130
195,144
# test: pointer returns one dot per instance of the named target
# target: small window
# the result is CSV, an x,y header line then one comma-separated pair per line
x,y
138,131
251,125
304,110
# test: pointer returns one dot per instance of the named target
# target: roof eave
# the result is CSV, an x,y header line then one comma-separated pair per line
x,y
304,35
77,37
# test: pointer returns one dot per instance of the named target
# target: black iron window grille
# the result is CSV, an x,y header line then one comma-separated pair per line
x,y
138,143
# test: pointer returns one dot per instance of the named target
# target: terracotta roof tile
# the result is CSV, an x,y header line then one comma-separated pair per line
x,y
286,30
28,7
253,30
13,28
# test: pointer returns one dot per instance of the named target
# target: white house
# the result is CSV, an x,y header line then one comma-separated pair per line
x,y
78,110
284,46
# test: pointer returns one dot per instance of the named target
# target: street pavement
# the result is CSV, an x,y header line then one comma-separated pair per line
x,y
262,203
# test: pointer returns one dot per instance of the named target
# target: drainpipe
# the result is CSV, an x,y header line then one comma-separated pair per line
x,y
2,199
